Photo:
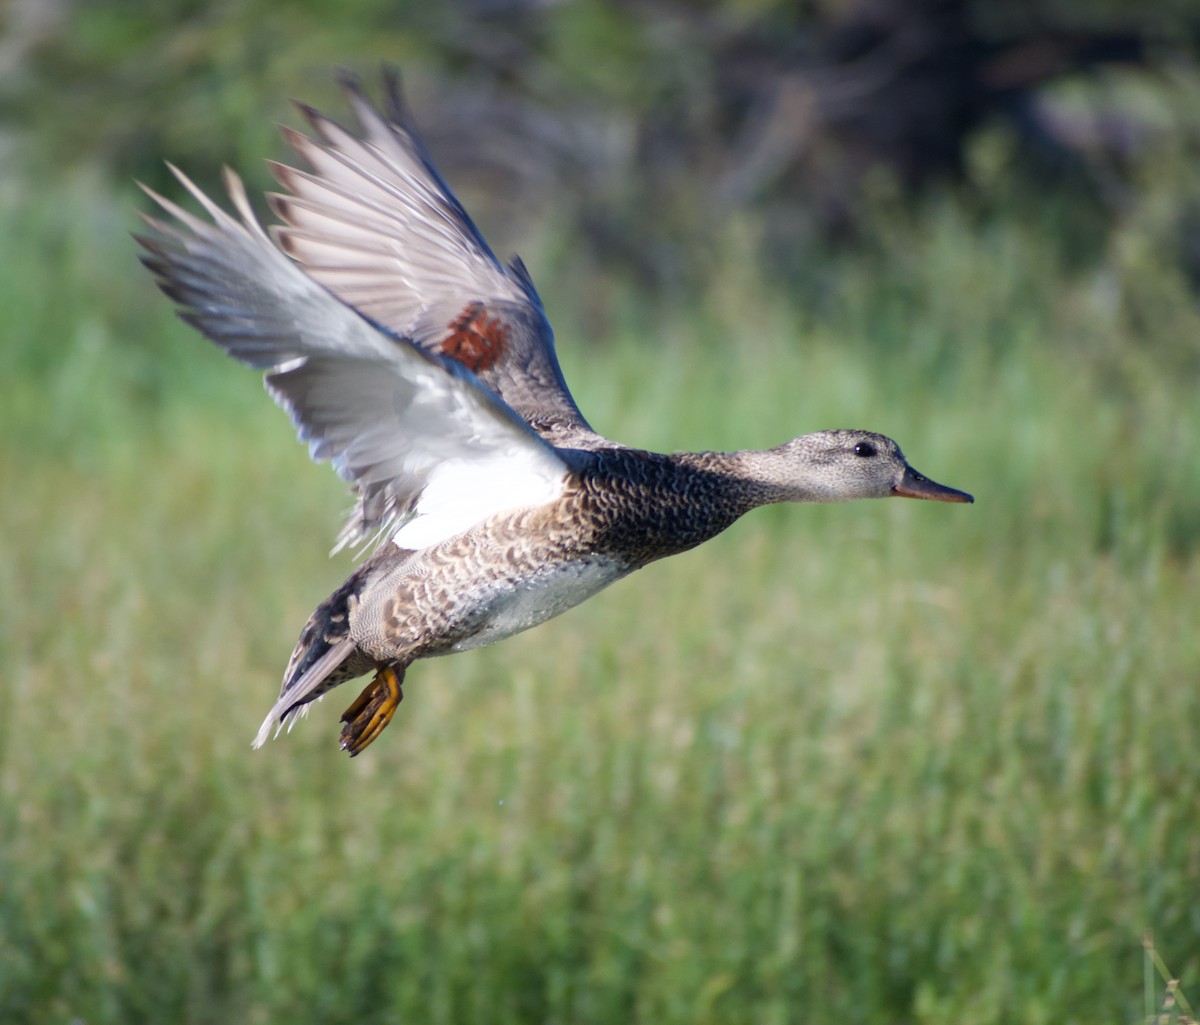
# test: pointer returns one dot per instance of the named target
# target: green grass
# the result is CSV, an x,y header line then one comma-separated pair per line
x,y
886,762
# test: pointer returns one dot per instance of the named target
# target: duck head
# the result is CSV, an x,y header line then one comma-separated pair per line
x,y
838,466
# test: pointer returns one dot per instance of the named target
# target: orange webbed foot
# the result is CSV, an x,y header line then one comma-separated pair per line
x,y
372,710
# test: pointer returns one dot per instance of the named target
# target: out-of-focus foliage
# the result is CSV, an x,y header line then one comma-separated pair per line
x,y
879,762
887,762
647,124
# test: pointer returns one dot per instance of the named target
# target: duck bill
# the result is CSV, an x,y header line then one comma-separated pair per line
x,y
913,485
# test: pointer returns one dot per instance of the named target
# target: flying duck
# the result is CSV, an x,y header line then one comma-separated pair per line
x,y
424,369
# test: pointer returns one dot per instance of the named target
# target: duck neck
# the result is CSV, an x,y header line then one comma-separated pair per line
x,y
762,477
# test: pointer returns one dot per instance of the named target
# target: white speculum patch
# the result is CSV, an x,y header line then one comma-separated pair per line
x,y
462,493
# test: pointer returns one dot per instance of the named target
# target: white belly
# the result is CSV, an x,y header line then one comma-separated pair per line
x,y
542,597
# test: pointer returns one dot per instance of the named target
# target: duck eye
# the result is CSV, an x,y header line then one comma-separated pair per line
x,y
864,449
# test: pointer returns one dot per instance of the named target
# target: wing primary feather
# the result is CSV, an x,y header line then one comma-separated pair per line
x,y
385,405
373,220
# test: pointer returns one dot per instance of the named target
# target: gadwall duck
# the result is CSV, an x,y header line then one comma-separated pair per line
x,y
425,371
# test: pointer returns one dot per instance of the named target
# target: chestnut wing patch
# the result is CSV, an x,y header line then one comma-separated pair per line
x,y
476,339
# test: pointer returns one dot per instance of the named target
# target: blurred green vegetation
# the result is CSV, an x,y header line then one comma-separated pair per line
x,y
878,762
643,129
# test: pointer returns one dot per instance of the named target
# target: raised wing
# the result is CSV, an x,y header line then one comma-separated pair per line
x,y
420,439
375,224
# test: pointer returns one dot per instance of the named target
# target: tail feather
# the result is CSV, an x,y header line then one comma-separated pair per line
x,y
325,656
310,686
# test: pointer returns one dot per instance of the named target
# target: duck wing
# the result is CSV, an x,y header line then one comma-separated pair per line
x,y
421,440
375,223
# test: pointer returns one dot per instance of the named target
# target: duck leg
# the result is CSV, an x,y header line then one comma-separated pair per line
x,y
372,710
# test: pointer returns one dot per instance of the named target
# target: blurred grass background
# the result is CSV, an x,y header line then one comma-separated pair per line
x,y
888,762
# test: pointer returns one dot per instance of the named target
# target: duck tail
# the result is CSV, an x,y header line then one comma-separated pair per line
x,y
325,656
293,700
322,659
